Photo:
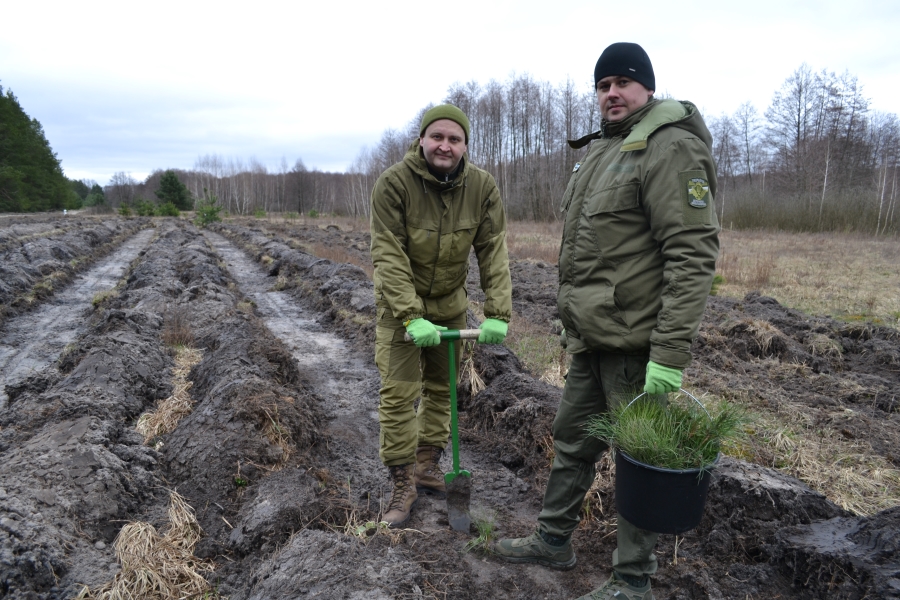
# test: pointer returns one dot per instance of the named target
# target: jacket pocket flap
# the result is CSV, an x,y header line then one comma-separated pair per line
x,y
623,196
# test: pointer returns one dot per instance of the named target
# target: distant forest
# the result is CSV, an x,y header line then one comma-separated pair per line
x,y
817,159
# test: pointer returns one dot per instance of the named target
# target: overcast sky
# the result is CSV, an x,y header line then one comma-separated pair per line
x,y
136,87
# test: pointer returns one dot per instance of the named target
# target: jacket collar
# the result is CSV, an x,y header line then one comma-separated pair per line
x,y
415,160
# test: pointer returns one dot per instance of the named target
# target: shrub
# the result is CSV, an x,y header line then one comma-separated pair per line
x,y
259,213
124,210
144,208
313,213
168,209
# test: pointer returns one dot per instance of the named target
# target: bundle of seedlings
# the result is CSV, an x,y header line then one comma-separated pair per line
x,y
679,434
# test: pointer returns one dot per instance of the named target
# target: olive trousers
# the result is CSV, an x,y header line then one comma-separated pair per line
x,y
596,382
408,374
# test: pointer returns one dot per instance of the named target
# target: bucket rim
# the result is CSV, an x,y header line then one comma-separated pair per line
x,y
693,471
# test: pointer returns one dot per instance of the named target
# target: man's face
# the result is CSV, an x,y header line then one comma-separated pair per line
x,y
619,96
443,144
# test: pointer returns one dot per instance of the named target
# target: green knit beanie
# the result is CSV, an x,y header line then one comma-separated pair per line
x,y
445,111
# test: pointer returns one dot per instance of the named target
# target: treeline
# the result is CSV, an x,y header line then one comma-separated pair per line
x,y
817,160
31,178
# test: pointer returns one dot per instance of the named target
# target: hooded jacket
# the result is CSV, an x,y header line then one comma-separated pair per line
x,y
640,238
422,229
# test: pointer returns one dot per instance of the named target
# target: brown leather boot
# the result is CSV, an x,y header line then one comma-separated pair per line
x,y
403,496
429,477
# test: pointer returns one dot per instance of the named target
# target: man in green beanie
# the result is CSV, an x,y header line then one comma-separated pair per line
x,y
637,259
428,211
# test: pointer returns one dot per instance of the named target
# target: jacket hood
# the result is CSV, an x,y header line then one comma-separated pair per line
x,y
661,113
414,159
642,123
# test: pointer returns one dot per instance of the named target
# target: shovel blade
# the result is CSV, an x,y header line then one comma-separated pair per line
x,y
459,492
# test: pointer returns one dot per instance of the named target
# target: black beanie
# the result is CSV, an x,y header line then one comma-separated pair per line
x,y
625,58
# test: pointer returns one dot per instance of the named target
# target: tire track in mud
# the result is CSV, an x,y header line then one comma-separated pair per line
x,y
33,341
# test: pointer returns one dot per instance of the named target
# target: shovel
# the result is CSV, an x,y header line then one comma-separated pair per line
x,y
458,481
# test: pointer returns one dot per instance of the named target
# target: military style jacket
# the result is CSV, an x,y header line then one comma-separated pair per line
x,y
640,238
422,230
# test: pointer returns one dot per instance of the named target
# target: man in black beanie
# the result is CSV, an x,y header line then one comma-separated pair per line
x,y
638,254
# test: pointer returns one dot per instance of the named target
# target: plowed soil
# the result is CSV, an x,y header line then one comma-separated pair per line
x,y
279,456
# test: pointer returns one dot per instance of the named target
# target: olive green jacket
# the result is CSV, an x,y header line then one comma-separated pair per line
x,y
640,238
422,230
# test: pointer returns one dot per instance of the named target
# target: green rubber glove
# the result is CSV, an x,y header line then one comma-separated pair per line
x,y
424,333
493,331
662,380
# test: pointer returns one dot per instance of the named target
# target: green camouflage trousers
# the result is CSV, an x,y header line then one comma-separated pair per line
x,y
408,374
596,381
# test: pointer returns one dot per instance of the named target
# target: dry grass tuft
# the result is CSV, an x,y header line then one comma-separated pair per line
x,y
170,411
764,333
276,433
468,372
158,567
177,328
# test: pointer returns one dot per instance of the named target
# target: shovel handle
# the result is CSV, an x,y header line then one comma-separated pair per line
x,y
452,334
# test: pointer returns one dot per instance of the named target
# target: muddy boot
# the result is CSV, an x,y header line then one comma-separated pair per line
x,y
429,477
536,549
616,588
403,496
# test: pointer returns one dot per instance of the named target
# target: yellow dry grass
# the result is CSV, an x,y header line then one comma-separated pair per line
x,y
850,277
158,567
534,241
847,471
170,411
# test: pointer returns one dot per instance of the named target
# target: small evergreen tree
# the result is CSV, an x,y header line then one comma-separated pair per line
x,y
172,190
96,197
207,210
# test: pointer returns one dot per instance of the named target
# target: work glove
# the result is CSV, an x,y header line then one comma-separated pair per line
x,y
662,380
424,333
493,331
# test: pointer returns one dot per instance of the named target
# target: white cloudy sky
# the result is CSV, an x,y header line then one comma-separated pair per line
x,y
139,86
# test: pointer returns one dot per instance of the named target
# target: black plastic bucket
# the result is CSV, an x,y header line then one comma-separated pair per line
x,y
660,500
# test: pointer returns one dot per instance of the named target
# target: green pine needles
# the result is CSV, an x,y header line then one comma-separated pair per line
x,y
678,435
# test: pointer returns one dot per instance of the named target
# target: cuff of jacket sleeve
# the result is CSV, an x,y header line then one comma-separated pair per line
x,y
504,318
673,359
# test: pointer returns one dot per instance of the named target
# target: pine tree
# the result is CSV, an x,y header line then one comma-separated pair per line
x,y
31,178
172,190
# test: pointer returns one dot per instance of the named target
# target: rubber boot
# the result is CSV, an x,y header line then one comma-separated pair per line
x,y
429,477
403,496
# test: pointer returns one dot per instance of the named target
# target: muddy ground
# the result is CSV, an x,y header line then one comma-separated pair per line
x,y
280,451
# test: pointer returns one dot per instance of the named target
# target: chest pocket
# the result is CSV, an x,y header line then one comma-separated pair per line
x,y
617,219
422,239
460,243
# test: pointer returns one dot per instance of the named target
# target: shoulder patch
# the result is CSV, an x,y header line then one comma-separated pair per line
x,y
697,203
698,192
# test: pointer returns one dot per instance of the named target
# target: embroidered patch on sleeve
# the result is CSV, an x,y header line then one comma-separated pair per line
x,y
697,201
